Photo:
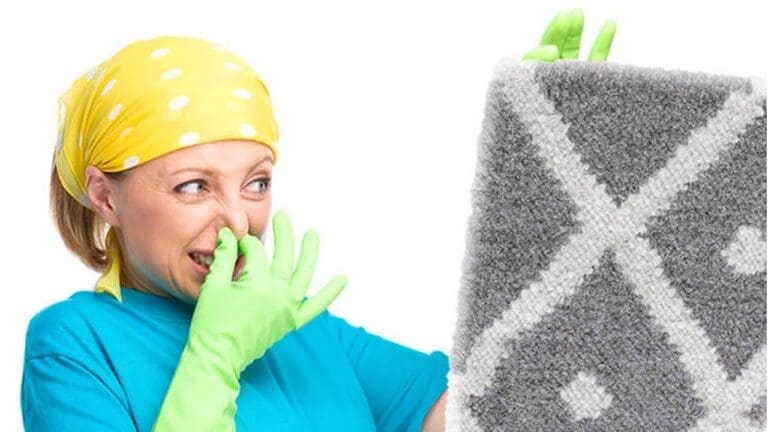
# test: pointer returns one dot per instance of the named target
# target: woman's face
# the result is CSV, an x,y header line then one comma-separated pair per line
x,y
175,204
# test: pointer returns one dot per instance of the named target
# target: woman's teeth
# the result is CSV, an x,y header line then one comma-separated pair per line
x,y
204,260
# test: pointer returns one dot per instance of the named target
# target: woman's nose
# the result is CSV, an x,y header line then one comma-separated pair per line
x,y
235,217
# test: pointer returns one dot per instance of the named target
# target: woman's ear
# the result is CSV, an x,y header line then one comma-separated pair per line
x,y
101,191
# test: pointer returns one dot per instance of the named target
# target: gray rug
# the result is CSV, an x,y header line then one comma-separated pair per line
x,y
615,271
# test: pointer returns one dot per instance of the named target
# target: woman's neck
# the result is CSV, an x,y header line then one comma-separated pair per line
x,y
129,279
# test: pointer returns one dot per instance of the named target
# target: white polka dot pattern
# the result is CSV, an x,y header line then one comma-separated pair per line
x,y
178,102
241,93
151,98
171,73
247,130
108,87
130,162
189,138
115,111
89,75
160,52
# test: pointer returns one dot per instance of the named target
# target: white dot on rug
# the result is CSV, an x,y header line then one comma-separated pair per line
x,y
746,253
586,397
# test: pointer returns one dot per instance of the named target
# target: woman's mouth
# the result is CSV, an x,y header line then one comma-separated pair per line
x,y
202,263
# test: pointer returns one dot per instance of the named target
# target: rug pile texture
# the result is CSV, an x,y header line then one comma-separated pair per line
x,y
614,277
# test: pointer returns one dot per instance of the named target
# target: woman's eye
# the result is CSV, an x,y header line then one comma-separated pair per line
x,y
195,187
186,190
264,181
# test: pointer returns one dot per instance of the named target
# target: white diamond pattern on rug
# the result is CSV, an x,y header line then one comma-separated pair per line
x,y
612,334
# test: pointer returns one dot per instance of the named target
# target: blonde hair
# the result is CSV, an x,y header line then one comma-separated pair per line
x,y
84,232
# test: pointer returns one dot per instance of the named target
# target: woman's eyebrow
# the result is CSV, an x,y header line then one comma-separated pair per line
x,y
214,173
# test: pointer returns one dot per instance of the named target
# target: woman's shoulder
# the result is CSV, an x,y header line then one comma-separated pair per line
x,y
76,309
66,322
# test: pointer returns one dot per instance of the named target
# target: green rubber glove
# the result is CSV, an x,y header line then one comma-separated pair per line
x,y
562,39
236,322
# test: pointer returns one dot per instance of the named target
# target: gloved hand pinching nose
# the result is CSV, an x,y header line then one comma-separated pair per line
x,y
236,321
248,315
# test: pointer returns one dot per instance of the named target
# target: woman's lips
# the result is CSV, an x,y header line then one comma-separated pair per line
x,y
203,270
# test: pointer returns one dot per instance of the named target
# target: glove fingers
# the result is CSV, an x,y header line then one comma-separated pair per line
x,y
547,53
603,42
255,265
305,268
282,263
320,301
556,30
572,40
224,258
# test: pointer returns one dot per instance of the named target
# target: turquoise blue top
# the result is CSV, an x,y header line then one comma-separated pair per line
x,y
94,364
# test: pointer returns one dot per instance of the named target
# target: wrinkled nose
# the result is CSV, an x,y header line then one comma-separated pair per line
x,y
235,217
238,222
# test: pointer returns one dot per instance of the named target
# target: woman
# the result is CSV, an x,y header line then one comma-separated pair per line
x,y
171,144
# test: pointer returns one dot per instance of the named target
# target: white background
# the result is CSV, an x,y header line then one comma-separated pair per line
x,y
379,105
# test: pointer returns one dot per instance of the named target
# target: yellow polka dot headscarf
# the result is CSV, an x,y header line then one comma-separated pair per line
x,y
152,97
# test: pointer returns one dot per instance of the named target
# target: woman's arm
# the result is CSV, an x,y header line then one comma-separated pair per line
x,y
435,420
59,393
